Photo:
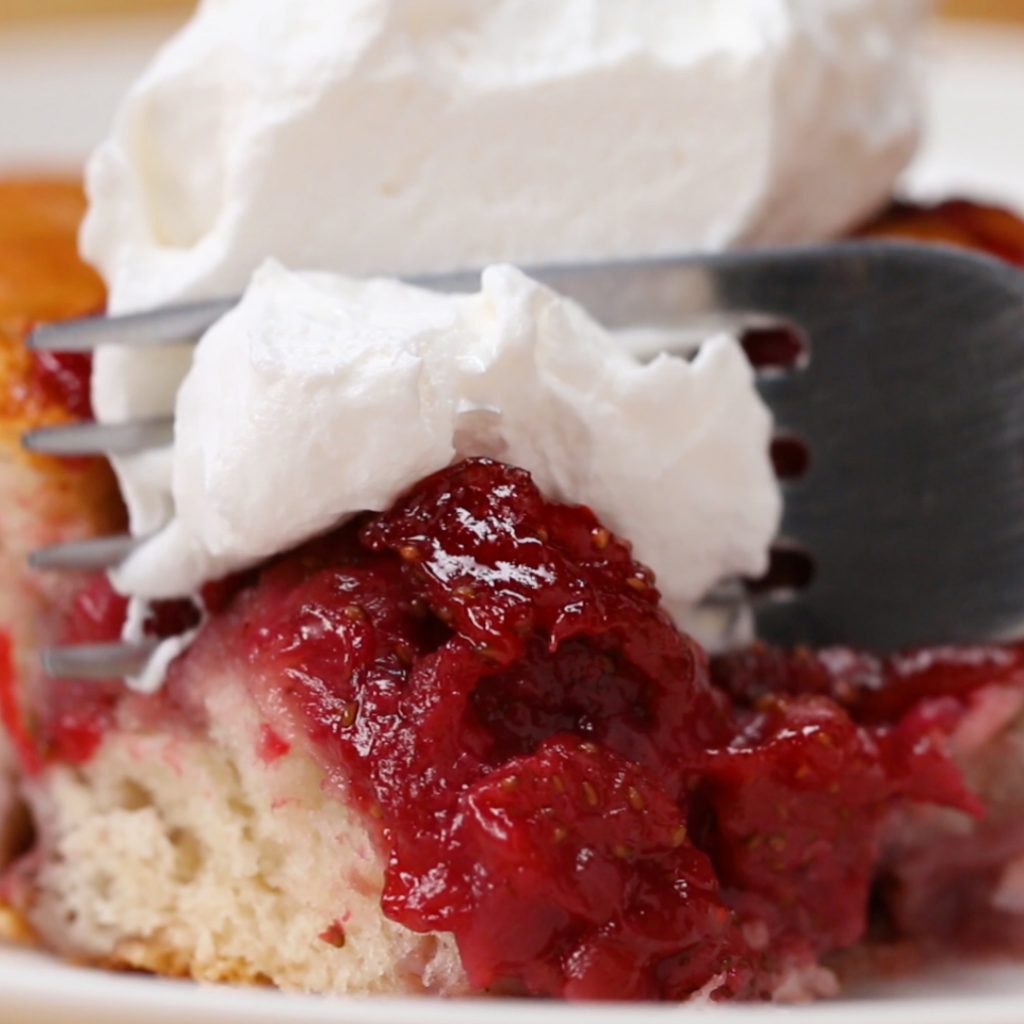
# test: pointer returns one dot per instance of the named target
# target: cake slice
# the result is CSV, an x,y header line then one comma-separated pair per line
x,y
458,747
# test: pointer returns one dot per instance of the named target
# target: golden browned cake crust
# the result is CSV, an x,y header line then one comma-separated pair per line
x,y
43,499
14,929
42,279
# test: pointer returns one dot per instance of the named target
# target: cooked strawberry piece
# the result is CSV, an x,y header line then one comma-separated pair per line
x,y
97,614
587,880
559,613
11,713
795,803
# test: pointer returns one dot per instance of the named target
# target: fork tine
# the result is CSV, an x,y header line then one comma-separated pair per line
x,y
80,439
96,661
185,323
172,325
94,553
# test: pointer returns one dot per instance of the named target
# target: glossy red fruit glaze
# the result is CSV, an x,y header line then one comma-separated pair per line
x,y
873,689
567,628
66,377
557,781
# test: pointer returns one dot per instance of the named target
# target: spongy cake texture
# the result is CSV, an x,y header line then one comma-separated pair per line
x,y
199,856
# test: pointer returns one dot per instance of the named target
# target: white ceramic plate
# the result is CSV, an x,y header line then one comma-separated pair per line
x,y
35,990
57,89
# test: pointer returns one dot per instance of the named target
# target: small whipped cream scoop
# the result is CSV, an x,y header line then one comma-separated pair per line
x,y
319,397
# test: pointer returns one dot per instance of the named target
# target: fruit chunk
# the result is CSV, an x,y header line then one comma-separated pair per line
x,y
795,805
587,880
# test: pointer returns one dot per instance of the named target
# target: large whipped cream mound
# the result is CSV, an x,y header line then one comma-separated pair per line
x,y
319,396
398,136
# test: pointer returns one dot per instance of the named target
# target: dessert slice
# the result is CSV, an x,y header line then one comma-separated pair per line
x,y
458,746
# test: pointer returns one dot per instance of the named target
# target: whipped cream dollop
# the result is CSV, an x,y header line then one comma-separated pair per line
x,y
320,396
401,136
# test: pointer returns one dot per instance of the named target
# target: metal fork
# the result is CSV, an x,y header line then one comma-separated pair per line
x,y
910,400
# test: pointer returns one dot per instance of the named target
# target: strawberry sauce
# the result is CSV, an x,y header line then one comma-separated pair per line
x,y
552,770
